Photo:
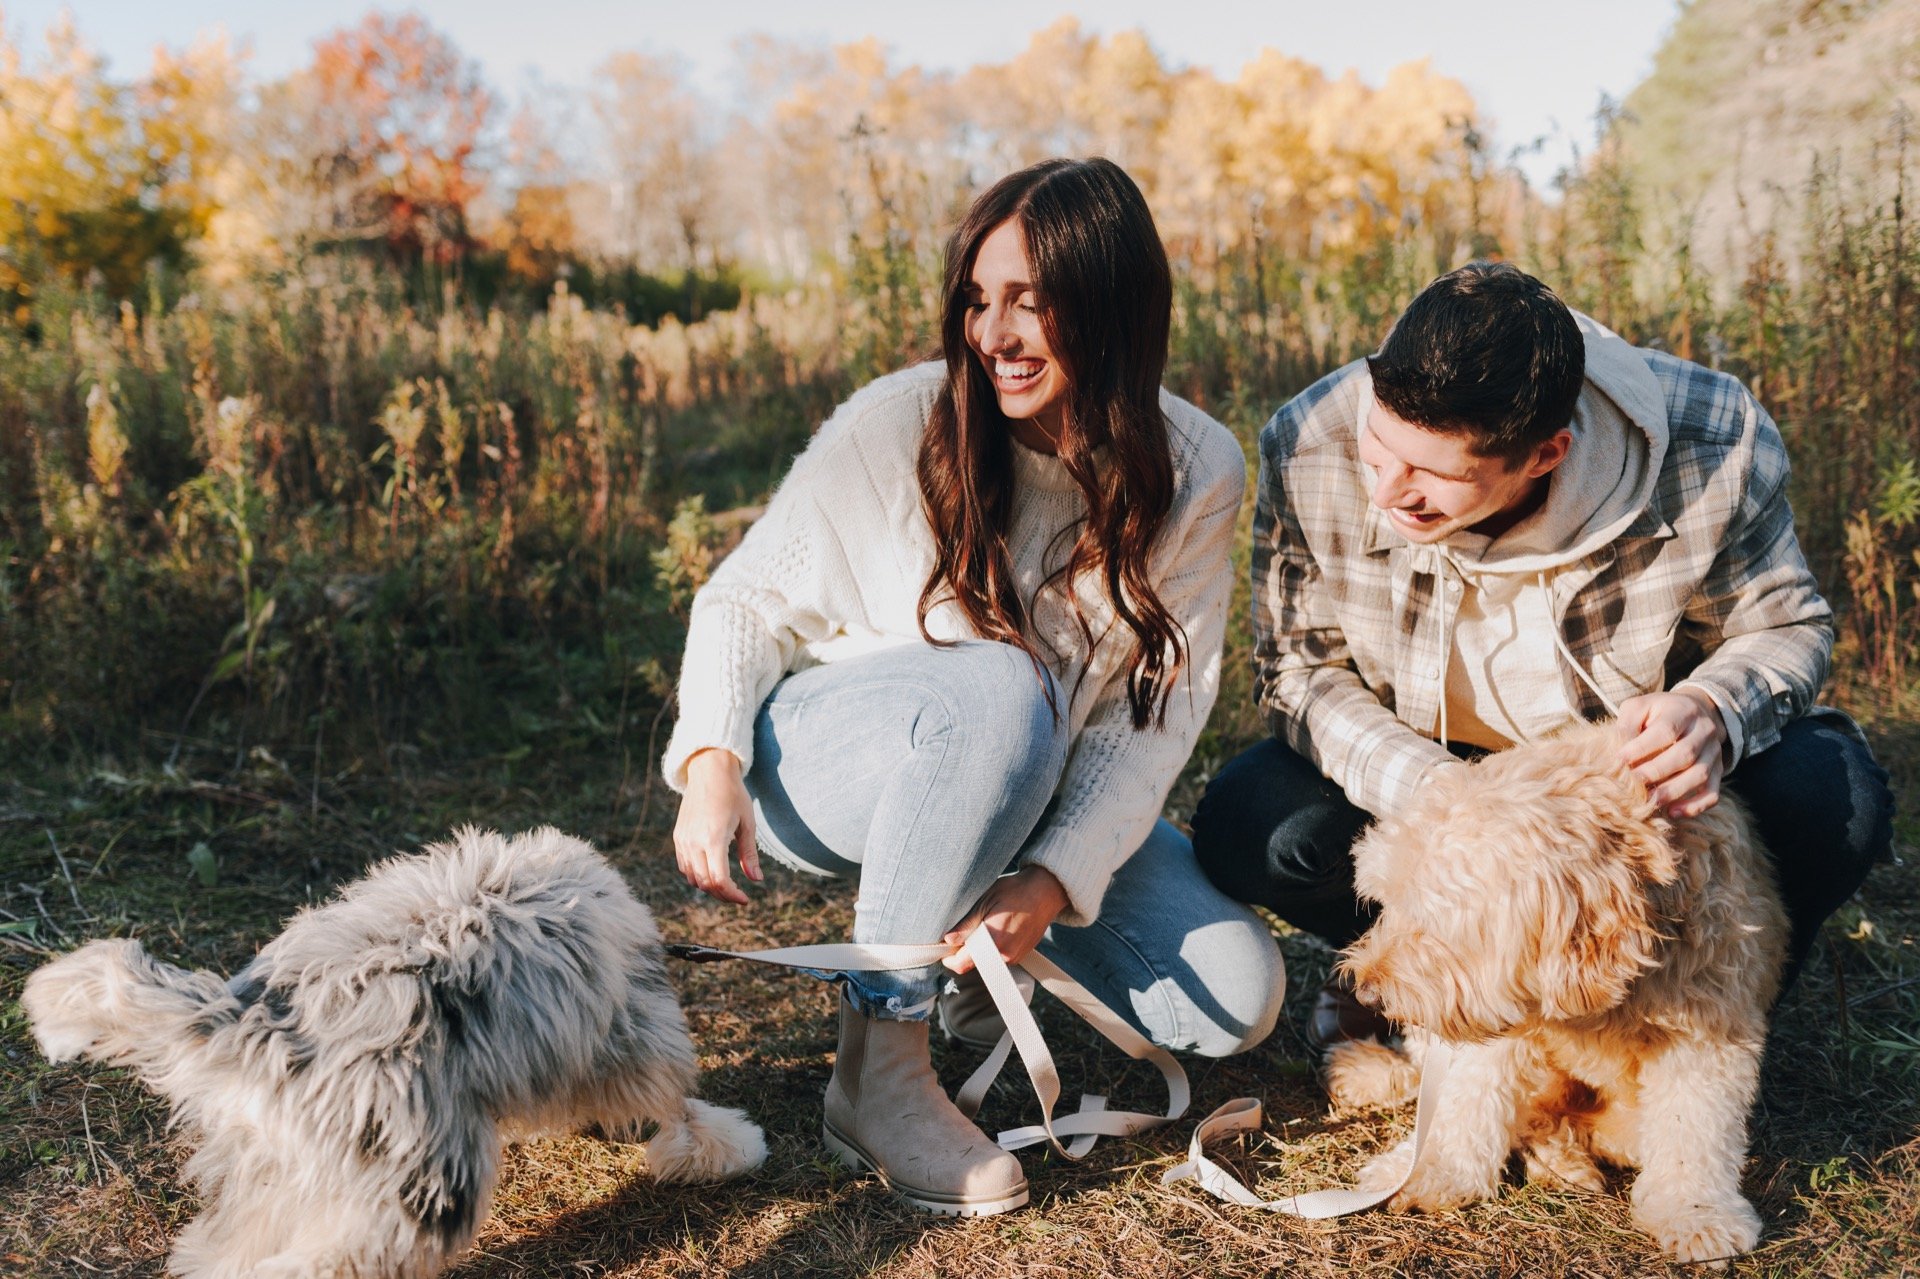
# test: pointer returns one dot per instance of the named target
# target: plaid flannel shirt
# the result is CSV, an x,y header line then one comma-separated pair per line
x,y
1708,585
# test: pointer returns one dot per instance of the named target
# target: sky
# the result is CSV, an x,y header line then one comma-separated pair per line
x,y
1536,67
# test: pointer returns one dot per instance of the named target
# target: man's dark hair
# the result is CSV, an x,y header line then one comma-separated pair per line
x,y
1487,350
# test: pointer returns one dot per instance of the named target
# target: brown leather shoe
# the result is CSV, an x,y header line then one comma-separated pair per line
x,y
1338,1015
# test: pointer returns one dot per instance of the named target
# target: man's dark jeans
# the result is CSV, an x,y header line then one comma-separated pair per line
x,y
1272,831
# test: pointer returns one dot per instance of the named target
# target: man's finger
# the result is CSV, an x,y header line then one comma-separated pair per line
x,y
1681,786
1633,719
1656,737
1696,805
1671,762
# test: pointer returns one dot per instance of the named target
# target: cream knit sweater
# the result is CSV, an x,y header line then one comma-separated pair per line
x,y
835,566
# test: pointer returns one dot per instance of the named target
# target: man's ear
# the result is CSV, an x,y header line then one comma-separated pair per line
x,y
1550,453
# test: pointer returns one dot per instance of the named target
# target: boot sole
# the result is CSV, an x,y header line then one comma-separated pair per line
x,y
937,1202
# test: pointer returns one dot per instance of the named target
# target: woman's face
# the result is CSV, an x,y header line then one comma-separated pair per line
x,y
1004,330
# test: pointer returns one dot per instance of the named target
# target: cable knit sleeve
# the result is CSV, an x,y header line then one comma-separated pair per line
x,y
761,604
1117,777
789,582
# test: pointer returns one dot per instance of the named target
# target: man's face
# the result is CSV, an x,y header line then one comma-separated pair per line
x,y
1432,485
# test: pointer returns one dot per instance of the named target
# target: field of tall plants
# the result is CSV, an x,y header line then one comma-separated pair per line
x,y
306,565
315,515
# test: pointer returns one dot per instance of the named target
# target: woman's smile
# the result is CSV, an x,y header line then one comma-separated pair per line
x,y
1004,329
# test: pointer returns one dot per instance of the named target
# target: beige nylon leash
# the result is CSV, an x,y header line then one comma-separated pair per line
x,y
1092,1120
1244,1112
1085,1126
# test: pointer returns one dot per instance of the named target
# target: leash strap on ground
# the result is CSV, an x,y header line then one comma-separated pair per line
x,y
1244,1113
1082,1128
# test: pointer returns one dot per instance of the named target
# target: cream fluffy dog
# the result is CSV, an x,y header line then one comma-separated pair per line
x,y
1604,974
350,1089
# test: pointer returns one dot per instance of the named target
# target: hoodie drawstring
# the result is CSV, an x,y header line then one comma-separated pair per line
x,y
1566,654
1446,633
1440,561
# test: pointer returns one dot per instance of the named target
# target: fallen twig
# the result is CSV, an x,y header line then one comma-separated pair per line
x,y
66,873
86,1124
40,903
21,943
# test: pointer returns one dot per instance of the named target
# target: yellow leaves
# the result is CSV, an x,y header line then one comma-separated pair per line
x,y
841,156
1307,162
100,175
106,440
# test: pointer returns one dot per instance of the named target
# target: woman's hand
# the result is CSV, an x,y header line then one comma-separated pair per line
x,y
716,820
1675,742
1016,911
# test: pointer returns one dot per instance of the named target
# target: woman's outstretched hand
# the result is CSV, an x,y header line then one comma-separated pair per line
x,y
1016,911
715,822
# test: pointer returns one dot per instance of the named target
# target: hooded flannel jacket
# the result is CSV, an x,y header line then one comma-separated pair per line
x,y
1707,585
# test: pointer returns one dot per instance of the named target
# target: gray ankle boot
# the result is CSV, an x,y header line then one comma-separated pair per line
x,y
886,1112
967,1012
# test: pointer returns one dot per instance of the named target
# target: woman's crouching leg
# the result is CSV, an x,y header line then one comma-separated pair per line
x,y
1186,966
918,772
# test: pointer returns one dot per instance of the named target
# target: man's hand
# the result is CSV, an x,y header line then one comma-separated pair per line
x,y
716,820
1676,744
1017,911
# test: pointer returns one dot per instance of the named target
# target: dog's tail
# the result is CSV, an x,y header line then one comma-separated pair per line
x,y
111,1002
708,1143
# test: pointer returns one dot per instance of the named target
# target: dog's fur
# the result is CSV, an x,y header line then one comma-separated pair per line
x,y
350,1090
1604,974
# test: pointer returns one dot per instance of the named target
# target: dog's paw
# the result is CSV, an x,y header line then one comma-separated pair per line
x,y
1563,1164
1433,1186
1440,1189
1363,1074
710,1143
1387,1169
1430,1189
1710,1232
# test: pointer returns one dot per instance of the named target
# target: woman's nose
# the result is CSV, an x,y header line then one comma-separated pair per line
x,y
996,334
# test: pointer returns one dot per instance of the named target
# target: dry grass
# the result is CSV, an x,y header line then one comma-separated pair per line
x,y
87,1170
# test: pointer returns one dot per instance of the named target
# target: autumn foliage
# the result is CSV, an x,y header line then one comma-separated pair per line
x,y
349,405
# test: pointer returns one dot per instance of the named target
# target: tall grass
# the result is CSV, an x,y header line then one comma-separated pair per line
x,y
313,511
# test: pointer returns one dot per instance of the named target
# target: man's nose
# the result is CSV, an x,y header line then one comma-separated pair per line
x,y
1390,486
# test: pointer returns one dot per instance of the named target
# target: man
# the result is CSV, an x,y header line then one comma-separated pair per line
x,y
1507,520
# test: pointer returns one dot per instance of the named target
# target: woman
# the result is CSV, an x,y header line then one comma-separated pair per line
x,y
962,658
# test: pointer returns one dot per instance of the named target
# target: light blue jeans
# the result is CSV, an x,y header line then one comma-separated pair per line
x,y
922,772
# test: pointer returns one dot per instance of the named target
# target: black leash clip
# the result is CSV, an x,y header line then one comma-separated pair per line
x,y
695,954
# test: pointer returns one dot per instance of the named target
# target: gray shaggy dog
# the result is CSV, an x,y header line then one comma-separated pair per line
x,y
350,1090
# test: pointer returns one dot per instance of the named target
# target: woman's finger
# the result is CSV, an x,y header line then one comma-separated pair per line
x,y
717,877
747,846
960,961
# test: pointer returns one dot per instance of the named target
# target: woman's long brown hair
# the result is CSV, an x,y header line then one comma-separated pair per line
x,y
1106,297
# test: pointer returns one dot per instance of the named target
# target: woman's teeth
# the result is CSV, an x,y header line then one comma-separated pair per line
x,y
1015,372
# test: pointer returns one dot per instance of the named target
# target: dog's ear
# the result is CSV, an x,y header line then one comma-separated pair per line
x,y
1591,951
1600,928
